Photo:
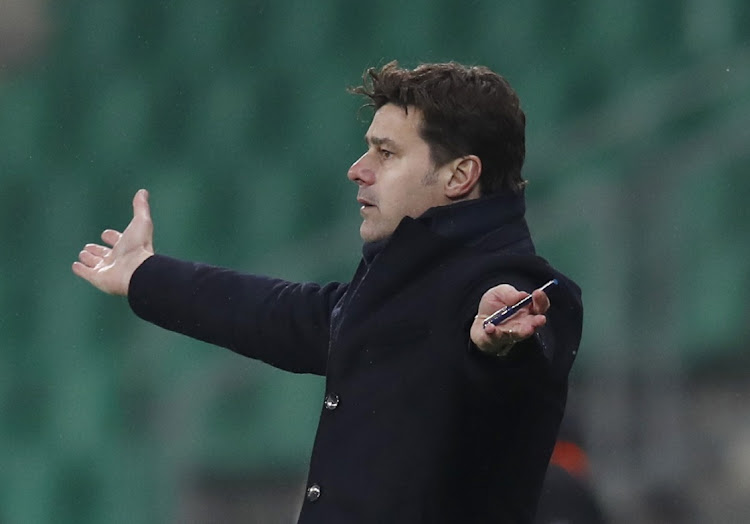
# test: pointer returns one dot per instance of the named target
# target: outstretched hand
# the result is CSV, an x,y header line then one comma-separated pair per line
x,y
499,339
110,268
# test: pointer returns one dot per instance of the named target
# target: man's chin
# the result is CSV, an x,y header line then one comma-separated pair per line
x,y
370,234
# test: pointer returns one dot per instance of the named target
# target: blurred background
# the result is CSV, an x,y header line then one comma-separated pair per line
x,y
235,116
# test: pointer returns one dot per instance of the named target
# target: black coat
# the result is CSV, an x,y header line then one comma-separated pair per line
x,y
417,425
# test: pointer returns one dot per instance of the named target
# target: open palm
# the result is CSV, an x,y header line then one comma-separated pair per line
x,y
110,268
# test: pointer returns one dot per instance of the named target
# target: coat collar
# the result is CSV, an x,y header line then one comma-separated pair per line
x,y
469,222
471,219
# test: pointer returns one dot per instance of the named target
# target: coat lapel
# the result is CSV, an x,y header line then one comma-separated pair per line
x,y
410,252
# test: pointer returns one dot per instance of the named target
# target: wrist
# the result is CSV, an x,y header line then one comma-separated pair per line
x,y
136,263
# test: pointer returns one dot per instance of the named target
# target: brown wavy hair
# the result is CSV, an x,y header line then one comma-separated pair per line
x,y
467,110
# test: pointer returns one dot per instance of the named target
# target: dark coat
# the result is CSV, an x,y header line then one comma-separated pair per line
x,y
417,425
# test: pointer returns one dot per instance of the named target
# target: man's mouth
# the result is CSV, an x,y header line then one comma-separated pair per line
x,y
364,202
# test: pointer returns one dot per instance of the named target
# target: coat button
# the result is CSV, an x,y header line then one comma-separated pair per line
x,y
313,493
331,401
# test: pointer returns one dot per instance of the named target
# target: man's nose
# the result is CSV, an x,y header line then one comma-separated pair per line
x,y
361,173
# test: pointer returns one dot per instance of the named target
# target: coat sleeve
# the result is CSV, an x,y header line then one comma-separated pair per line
x,y
282,323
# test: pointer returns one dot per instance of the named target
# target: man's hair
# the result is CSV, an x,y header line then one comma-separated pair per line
x,y
467,110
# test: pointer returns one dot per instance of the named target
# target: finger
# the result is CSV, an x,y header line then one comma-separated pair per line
x,y
111,237
497,344
141,208
523,327
507,294
506,332
540,302
97,250
499,296
83,271
88,259
511,336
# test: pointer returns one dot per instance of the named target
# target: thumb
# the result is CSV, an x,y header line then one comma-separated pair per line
x,y
141,228
141,208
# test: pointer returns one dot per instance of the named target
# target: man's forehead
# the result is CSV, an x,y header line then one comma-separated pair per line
x,y
399,113
393,123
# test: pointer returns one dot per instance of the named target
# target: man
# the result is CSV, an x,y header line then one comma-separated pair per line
x,y
429,416
568,493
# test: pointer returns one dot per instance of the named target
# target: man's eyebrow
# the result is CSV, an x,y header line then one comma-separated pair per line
x,y
379,141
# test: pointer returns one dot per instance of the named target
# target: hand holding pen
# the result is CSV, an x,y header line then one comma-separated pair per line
x,y
506,316
506,312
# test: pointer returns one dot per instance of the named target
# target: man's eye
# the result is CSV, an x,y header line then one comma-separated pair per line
x,y
385,153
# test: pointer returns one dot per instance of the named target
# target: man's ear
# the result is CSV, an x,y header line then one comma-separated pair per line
x,y
464,180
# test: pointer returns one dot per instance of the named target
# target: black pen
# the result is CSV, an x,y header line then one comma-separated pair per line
x,y
503,314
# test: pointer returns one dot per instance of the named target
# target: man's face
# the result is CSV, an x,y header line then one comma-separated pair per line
x,y
396,176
